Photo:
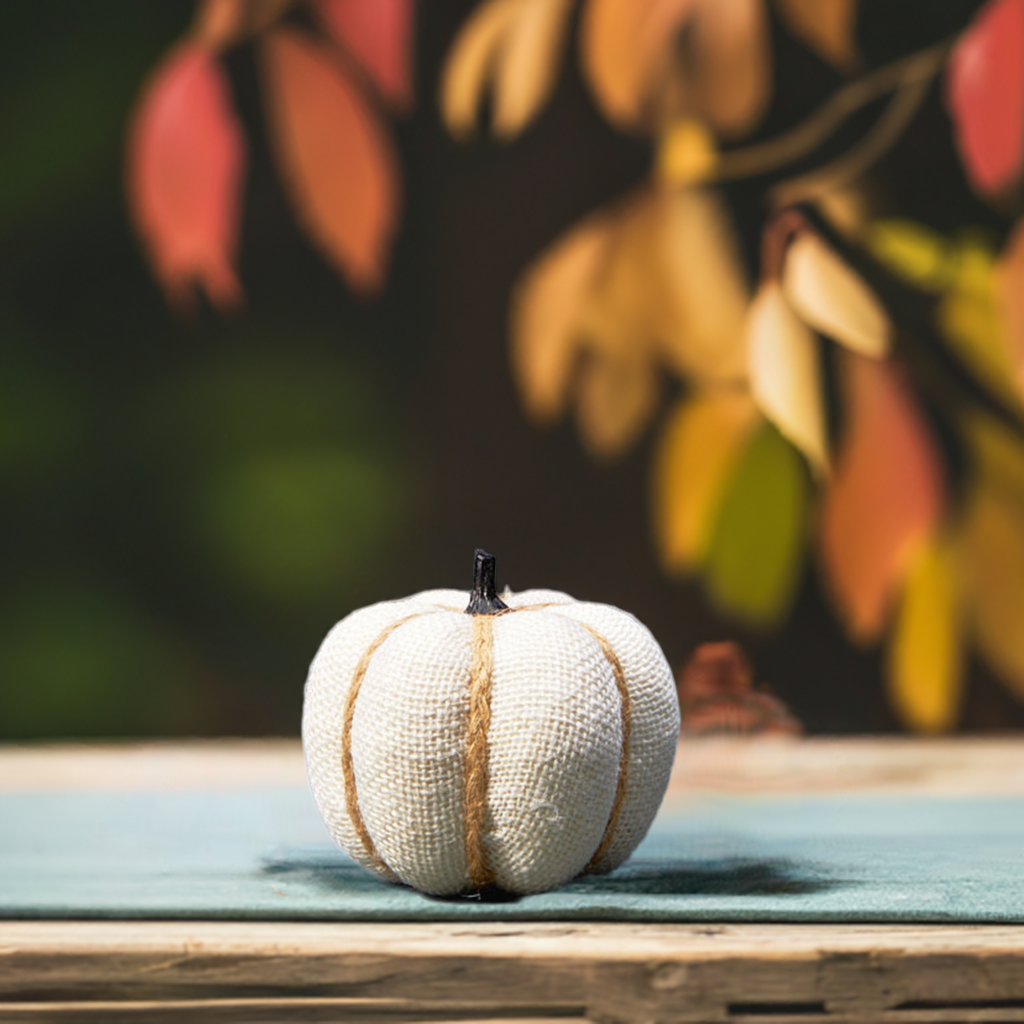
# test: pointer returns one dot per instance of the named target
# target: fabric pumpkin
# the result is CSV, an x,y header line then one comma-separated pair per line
x,y
513,743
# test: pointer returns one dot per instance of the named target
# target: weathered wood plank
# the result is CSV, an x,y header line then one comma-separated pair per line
x,y
950,766
613,972
189,764
312,1010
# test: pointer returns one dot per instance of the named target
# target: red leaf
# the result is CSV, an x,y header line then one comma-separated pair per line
x,y
885,498
378,33
186,155
337,162
985,95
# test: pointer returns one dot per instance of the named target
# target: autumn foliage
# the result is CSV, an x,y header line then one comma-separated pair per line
x,y
761,459
324,95
810,420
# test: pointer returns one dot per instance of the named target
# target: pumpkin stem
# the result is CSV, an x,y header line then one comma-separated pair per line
x,y
483,598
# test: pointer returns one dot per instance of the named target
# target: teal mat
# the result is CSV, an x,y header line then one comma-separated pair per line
x,y
263,854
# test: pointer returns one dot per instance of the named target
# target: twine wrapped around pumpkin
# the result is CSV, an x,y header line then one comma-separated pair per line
x,y
515,746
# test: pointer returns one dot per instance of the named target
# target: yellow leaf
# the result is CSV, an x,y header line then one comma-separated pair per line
x,y
699,448
1010,301
999,455
654,281
827,26
471,62
785,373
925,651
687,154
513,46
993,539
698,294
546,309
671,282
847,208
913,251
755,556
969,316
828,296
616,395
978,295
528,69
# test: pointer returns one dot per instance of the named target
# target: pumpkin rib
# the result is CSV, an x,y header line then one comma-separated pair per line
x,y
348,771
627,727
622,685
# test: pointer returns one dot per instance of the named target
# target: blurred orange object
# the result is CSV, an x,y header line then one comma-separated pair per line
x,y
716,695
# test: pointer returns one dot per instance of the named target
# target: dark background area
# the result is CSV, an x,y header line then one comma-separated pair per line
x,y
186,506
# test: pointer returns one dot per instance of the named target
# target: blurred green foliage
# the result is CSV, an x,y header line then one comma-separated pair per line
x,y
184,506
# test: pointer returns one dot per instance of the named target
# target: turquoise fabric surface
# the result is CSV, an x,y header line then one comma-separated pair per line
x,y
263,854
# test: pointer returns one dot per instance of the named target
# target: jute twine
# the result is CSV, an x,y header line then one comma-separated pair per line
x,y
478,721
348,769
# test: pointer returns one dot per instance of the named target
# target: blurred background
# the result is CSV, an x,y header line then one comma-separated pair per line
x,y
193,491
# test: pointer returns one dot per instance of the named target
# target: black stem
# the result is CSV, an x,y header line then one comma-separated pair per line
x,y
483,598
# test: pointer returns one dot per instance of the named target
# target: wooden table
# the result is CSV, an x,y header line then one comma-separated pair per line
x,y
536,971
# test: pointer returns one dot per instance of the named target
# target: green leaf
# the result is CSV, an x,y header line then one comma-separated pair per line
x,y
756,552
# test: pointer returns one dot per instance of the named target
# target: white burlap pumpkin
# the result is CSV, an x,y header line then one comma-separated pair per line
x,y
513,744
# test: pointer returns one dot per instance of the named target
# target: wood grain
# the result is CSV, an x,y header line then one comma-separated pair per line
x,y
608,972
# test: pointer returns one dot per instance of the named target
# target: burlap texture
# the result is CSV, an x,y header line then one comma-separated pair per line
x,y
552,750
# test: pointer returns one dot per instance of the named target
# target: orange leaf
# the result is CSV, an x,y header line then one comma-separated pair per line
x,y
731,77
828,28
337,162
700,446
546,310
629,50
785,372
925,653
219,23
186,155
830,297
514,45
612,62
378,33
626,47
884,498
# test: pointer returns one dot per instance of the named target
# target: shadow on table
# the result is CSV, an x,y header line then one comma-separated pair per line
x,y
730,876
331,871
